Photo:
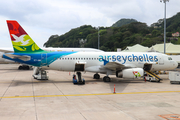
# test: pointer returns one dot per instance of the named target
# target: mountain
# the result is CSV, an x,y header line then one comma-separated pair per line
x,y
112,38
172,24
123,21
73,38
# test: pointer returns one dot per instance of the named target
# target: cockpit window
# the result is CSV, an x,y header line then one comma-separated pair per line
x,y
169,58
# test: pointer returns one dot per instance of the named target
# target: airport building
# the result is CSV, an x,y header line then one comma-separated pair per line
x,y
171,49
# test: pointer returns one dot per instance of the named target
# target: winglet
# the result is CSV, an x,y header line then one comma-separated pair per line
x,y
21,41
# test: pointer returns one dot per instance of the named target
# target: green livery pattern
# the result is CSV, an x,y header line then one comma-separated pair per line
x,y
21,41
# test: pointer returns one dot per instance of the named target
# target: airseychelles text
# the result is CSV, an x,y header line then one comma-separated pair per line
x,y
130,58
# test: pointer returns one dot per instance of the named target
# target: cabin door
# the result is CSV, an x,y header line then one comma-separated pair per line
x,y
161,60
44,59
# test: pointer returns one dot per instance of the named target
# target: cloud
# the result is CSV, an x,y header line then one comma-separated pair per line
x,y
48,17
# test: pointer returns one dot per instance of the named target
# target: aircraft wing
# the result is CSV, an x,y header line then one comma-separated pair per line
x,y
24,58
117,66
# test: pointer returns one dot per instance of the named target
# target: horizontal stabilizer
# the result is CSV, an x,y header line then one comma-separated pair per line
x,y
24,58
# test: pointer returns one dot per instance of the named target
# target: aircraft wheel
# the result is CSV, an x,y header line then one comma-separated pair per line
x,y
20,68
107,79
27,67
96,76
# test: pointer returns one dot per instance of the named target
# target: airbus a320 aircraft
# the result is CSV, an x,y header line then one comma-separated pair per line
x,y
122,64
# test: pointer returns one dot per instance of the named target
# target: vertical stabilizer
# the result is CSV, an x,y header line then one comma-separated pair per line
x,y
21,41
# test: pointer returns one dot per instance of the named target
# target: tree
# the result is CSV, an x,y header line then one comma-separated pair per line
x,y
169,34
156,33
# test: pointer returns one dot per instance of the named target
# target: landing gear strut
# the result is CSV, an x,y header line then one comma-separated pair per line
x,y
79,81
96,76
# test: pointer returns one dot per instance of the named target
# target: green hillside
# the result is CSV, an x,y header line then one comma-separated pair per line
x,y
122,22
112,38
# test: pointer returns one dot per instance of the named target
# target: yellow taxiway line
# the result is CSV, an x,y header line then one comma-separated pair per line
x,y
90,94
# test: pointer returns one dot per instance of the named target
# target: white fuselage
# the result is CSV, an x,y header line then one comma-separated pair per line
x,y
95,61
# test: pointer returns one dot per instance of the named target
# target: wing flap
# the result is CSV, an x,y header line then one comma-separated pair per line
x,y
116,66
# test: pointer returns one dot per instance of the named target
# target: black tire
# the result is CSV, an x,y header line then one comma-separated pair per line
x,y
27,67
20,67
96,76
107,79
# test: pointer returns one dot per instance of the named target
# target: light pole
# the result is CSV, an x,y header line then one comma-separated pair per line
x,y
164,24
98,38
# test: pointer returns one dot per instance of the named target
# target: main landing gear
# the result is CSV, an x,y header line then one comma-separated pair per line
x,y
78,81
24,67
105,78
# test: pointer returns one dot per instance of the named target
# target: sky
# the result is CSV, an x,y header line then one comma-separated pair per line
x,y
43,18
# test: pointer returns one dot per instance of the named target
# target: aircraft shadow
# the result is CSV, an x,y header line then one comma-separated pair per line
x,y
120,84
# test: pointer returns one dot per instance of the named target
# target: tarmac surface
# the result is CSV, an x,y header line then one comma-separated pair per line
x,y
24,98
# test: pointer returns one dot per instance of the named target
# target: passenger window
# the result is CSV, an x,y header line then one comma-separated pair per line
x,y
169,58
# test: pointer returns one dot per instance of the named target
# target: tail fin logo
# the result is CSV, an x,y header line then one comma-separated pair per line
x,y
21,41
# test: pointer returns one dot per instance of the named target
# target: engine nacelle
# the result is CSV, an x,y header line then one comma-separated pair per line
x,y
130,73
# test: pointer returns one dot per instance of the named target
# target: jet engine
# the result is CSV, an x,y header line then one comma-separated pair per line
x,y
130,73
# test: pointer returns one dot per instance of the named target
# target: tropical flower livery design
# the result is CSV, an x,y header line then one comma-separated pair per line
x,y
24,43
21,41
136,74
